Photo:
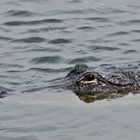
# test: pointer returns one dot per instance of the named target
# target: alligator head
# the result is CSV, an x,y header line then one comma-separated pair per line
x,y
89,85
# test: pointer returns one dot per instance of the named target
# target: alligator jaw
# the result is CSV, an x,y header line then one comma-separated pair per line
x,y
100,93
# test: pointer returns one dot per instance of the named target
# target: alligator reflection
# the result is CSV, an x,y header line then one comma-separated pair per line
x,y
93,98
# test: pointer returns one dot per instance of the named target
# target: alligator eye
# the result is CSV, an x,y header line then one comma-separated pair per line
x,y
89,77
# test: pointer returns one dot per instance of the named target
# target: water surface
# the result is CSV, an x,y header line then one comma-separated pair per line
x,y
41,41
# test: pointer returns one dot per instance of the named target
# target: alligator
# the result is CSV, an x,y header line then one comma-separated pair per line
x,y
96,83
91,84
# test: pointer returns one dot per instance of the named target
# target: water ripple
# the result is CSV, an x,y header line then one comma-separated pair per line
x,y
49,70
21,13
99,48
98,19
74,1
105,9
84,60
59,41
3,38
129,22
45,29
124,44
120,33
43,49
27,137
40,128
76,11
30,40
135,31
100,40
6,65
135,40
86,28
48,59
34,22
130,51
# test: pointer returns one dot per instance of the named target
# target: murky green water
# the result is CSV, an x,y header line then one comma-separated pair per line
x,y
41,41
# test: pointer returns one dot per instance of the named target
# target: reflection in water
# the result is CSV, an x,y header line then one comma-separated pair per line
x,y
100,96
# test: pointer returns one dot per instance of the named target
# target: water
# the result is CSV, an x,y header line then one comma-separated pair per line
x,y
41,41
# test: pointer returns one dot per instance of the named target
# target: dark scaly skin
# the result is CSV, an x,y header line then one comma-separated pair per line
x,y
89,85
